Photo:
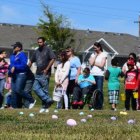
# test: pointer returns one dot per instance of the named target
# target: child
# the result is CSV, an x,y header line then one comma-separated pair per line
x,y
61,75
3,71
7,99
131,80
7,96
112,75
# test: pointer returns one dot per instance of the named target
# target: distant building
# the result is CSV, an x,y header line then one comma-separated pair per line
x,y
114,44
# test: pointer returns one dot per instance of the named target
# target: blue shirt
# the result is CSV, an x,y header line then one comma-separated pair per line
x,y
85,83
74,65
18,61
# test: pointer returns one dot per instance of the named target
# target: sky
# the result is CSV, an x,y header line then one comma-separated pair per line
x,y
119,16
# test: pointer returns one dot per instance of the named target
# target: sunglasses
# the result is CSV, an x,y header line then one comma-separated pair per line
x,y
68,51
131,58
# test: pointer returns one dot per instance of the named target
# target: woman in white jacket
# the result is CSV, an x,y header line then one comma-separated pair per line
x,y
61,75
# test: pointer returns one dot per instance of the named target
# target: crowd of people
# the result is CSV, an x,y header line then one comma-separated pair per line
x,y
76,83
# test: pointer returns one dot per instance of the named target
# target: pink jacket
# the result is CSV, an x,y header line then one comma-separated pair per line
x,y
61,74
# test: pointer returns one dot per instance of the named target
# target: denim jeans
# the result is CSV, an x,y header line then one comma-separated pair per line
x,y
28,90
99,85
7,98
40,87
18,84
2,82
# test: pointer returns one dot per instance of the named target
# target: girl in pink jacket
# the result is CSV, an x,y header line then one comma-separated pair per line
x,y
61,75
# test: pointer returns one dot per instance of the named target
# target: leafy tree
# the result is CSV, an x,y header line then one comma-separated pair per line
x,y
56,30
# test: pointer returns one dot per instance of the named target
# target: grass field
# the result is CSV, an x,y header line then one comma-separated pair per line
x,y
42,127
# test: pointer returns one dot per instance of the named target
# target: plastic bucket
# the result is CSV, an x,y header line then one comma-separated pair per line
x,y
135,95
123,97
57,94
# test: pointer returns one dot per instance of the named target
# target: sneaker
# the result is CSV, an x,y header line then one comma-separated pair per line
x,y
75,103
6,106
80,103
2,107
42,110
32,104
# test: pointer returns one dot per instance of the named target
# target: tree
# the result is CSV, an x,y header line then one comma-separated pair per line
x,y
56,30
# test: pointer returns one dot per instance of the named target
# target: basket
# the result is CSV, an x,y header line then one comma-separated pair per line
x,y
135,95
57,93
123,97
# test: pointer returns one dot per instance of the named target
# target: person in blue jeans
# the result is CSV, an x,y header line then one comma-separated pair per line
x,y
98,62
28,87
3,73
18,73
44,58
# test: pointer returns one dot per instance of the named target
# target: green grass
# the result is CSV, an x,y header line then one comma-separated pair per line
x,y
43,127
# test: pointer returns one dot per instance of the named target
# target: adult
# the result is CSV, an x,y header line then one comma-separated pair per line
x,y
131,56
98,62
3,71
18,73
44,58
75,69
138,62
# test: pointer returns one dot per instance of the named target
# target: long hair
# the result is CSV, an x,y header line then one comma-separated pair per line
x,y
98,45
63,54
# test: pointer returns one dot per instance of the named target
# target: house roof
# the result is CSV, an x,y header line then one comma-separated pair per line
x,y
11,33
123,44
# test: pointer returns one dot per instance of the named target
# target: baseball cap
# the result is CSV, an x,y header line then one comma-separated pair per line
x,y
17,44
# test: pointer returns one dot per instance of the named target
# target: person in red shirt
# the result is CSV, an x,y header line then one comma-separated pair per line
x,y
138,101
131,81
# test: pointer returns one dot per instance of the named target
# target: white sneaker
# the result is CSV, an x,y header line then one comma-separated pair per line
x,y
41,110
32,104
2,107
47,110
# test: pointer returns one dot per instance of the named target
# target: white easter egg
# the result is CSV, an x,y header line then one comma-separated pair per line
x,y
54,117
83,120
21,113
131,121
89,116
71,122
81,113
31,115
113,118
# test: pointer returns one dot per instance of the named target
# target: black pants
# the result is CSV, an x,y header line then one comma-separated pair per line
x,y
70,88
79,94
130,97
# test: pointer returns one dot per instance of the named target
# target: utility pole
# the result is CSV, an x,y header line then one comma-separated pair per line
x,y
138,23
